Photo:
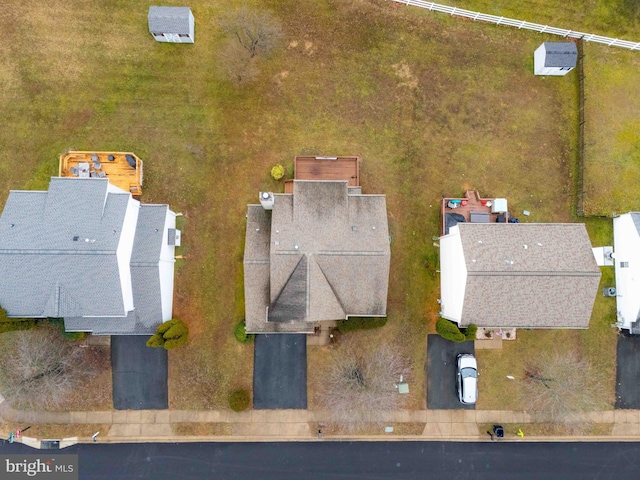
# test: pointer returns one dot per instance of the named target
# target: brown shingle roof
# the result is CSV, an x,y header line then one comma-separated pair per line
x,y
528,275
328,256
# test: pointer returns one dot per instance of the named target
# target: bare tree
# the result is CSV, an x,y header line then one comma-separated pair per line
x,y
257,32
237,63
559,387
39,368
360,385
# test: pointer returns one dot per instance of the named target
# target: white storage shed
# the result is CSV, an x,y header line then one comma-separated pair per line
x,y
555,58
171,24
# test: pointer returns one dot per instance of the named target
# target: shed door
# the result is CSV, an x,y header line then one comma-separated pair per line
x,y
172,37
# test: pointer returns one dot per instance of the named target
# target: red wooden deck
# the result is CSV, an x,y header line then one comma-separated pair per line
x,y
325,168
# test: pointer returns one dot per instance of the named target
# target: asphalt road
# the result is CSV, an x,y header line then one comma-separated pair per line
x,y
139,374
280,371
628,372
441,373
326,460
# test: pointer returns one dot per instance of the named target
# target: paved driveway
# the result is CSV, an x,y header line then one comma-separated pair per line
x,y
441,373
628,372
280,371
139,374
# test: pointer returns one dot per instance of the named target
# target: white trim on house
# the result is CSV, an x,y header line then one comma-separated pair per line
x,y
626,245
124,250
453,275
166,267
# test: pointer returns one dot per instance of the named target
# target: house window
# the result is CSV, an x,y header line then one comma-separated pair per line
x,y
624,264
156,34
183,35
566,68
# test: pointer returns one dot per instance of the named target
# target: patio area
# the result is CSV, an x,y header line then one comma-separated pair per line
x,y
473,208
325,168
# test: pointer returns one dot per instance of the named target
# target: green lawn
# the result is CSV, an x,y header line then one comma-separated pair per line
x,y
612,130
434,106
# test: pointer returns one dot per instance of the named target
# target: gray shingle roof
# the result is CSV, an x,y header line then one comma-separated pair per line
x,y
528,275
58,250
149,235
143,320
326,252
169,19
635,216
145,281
58,257
560,54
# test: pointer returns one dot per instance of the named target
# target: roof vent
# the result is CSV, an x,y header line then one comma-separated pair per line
x,y
354,228
296,246
509,262
13,225
525,246
76,238
539,244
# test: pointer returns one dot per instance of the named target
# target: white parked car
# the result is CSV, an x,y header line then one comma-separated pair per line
x,y
467,378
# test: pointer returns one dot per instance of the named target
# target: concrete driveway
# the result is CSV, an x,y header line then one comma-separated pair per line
x,y
628,372
139,374
441,373
280,371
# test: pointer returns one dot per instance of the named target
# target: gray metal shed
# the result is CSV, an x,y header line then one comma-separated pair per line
x,y
171,24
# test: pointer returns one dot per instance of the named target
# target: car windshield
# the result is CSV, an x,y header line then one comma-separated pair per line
x,y
468,373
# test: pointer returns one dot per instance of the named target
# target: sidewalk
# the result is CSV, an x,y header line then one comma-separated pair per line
x,y
300,425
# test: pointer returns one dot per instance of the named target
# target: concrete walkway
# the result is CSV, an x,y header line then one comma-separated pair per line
x,y
274,425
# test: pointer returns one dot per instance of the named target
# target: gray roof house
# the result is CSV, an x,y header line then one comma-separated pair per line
x,y
171,24
518,275
320,253
86,251
555,58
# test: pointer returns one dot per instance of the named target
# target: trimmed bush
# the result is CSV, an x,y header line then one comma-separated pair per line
x,y
241,334
277,172
470,331
156,340
449,331
361,323
11,325
239,400
175,342
163,327
170,334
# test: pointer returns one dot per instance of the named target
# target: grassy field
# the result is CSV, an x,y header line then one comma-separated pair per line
x,y
433,105
613,18
612,130
612,89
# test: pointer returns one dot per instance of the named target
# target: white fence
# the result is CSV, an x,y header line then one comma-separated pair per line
x,y
589,37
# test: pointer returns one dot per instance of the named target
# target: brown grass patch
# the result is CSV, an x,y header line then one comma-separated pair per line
x,y
55,430
201,429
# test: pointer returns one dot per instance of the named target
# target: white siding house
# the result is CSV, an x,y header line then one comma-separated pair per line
x,y
523,275
171,24
88,252
626,245
555,58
